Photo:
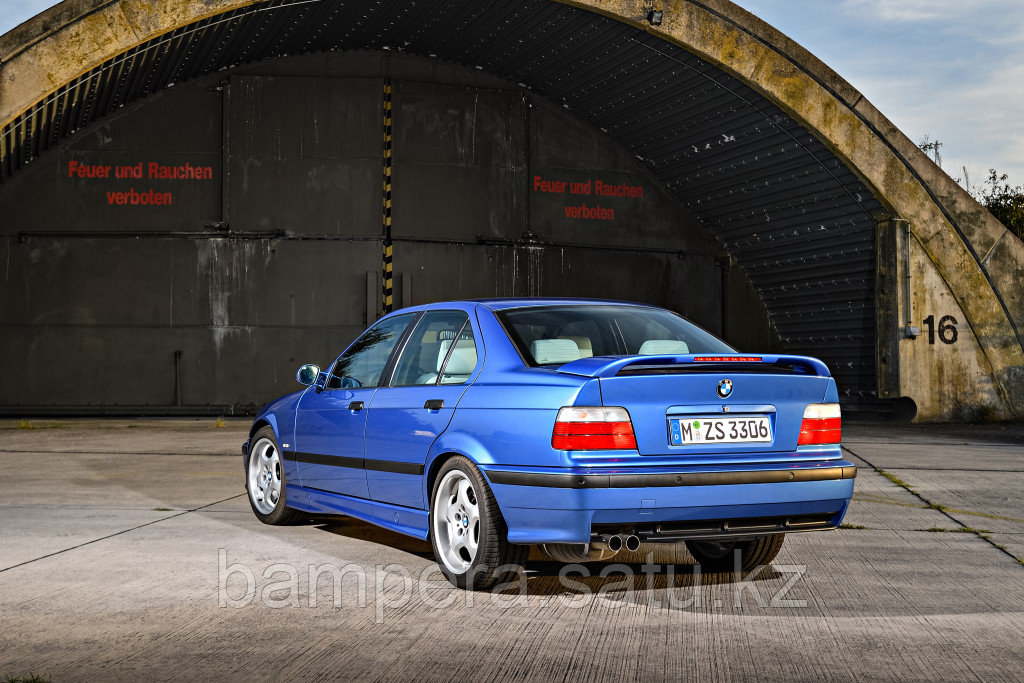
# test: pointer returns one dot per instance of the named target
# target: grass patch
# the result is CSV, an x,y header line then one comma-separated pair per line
x,y
132,427
894,479
937,506
845,525
29,424
31,678
219,424
961,530
163,509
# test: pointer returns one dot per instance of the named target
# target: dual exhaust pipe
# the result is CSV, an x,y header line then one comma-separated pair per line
x,y
614,544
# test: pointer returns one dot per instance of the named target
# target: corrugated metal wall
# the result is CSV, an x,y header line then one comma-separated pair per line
x,y
791,214
208,304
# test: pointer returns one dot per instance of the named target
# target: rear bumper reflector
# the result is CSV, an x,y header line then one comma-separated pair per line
x,y
623,481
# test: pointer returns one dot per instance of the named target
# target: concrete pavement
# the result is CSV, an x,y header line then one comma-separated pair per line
x,y
129,551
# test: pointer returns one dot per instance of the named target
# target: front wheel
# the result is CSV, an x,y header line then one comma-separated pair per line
x,y
467,531
720,556
265,481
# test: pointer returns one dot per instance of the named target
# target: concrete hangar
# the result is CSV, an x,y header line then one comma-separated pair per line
x,y
195,197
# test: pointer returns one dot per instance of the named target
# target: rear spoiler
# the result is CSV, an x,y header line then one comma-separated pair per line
x,y
609,366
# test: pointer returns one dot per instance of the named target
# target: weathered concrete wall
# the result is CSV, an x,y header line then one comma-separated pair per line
x,y
126,308
974,257
945,361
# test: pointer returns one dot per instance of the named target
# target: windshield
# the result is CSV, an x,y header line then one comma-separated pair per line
x,y
553,335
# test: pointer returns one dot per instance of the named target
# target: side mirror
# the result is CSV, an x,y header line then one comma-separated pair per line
x,y
307,374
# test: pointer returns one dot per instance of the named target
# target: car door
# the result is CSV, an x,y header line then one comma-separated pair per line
x,y
330,418
433,371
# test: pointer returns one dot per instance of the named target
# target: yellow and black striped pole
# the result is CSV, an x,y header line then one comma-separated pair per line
x,y
388,274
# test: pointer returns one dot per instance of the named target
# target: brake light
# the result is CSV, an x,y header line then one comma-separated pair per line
x,y
822,424
590,429
727,359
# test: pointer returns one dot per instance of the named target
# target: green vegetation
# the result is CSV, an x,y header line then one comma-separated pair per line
x,y
219,423
845,525
961,530
896,480
31,678
29,424
163,509
1003,201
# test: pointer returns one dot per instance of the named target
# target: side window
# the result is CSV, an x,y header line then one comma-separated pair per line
x,y
424,356
362,364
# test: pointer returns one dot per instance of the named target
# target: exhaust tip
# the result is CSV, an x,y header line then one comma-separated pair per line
x,y
615,543
632,543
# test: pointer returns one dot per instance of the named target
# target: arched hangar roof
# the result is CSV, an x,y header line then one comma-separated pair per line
x,y
778,156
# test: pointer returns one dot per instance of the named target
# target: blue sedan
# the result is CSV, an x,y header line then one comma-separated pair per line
x,y
581,426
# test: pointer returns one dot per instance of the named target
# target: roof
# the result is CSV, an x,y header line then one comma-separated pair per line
x,y
501,304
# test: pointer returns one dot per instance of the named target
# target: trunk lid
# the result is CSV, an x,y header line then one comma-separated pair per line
x,y
657,389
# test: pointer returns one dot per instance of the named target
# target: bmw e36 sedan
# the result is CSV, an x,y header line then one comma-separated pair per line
x,y
585,427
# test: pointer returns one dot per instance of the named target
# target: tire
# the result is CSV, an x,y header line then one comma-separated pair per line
x,y
265,481
720,556
467,531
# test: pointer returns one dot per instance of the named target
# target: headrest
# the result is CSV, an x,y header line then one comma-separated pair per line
x,y
547,351
584,345
657,347
450,334
463,358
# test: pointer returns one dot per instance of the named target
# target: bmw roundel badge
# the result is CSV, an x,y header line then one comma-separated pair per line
x,y
725,388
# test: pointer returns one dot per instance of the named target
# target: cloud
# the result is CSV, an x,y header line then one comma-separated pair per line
x,y
950,69
909,10
992,22
914,10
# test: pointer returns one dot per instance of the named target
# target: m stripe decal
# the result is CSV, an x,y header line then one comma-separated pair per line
x,y
355,463
615,481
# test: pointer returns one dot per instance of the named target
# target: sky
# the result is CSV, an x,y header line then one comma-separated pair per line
x,y
952,70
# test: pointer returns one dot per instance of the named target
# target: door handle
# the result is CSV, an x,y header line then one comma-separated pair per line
x,y
434,404
355,406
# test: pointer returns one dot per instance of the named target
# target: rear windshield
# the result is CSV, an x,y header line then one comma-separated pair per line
x,y
553,335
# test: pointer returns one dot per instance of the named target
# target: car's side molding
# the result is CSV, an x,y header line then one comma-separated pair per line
x,y
614,481
355,463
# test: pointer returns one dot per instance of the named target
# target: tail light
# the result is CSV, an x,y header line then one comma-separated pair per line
x,y
822,424
590,429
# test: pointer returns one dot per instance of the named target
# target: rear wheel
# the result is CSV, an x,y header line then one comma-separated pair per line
x,y
265,481
467,531
720,556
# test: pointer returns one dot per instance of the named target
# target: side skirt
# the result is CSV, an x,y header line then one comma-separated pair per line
x,y
408,521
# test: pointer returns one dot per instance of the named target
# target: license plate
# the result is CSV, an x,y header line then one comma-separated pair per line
x,y
713,430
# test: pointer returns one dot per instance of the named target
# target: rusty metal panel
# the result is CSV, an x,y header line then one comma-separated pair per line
x,y
458,169
105,328
790,213
110,177
315,140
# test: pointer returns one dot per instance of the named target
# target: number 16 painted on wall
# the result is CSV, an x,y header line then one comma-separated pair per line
x,y
948,334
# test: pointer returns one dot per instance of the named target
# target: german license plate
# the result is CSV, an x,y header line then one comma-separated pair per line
x,y
685,431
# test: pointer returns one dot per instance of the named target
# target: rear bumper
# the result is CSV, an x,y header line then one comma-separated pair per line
x,y
547,505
